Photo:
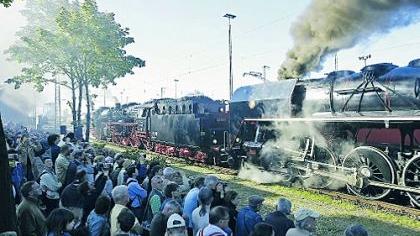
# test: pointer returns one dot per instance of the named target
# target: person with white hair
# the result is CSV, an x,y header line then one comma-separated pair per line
x,y
278,219
120,197
356,230
168,173
305,222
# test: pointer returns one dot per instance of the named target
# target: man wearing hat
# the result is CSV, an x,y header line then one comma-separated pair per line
x,y
248,216
176,226
305,222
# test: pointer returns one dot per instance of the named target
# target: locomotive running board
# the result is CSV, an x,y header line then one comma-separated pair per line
x,y
393,186
396,119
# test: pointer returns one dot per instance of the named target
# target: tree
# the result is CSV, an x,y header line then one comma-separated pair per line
x,y
87,48
6,3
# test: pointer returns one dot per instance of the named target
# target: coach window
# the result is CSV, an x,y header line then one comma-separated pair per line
x,y
190,108
176,109
170,109
183,109
163,110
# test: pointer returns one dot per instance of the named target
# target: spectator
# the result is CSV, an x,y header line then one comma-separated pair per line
x,y
86,165
122,177
50,186
170,193
155,170
30,219
136,193
54,149
117,168
141,167
97,221
155,198
219,220
305,222
176,226
248,216
73,167
191,201
212,182
356,230
279,220
120,197
200,216
231,201
158,224
60,222
26,152
126,221
263,229
179,178
62,163
168,174
74,195
103,184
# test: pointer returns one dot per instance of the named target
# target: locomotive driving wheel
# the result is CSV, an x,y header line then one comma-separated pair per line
x,y
373,164
411,178
323,155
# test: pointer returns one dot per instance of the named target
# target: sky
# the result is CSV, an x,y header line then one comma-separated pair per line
x,y
188,41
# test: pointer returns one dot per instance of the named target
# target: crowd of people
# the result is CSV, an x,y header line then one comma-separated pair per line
x,y
65,187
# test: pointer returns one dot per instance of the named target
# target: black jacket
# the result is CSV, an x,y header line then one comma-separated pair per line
x,y
280,222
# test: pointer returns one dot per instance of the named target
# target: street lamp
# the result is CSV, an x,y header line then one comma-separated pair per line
x,y
365,58
176,81
230,16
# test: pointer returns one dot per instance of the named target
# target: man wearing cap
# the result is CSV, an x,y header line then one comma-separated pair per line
x,y
248,216
176,226
305,222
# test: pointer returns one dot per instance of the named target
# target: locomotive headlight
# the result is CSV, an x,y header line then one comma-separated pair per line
x,y
237,140
214,141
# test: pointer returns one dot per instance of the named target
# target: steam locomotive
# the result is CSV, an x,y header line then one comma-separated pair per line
x,y
360,129
193,127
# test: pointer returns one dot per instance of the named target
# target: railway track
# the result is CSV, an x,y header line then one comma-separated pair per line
x,y
406,210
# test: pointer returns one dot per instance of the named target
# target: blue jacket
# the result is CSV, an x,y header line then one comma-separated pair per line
x,y
247,218
136,193
95,223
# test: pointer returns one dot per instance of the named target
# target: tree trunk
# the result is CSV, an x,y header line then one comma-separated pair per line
x,y
87,134
79,106
73,105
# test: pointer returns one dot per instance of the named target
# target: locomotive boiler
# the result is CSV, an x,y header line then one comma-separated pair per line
x,y
361,129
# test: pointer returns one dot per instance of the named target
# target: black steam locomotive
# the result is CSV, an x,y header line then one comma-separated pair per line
x,y
360,129
194,127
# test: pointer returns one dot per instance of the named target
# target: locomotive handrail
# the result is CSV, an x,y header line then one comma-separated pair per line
x,y
405,119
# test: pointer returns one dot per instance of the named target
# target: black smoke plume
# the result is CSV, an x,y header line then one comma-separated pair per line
x,y
328,26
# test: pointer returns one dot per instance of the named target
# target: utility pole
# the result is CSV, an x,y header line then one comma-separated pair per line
x,y
230,16
104,97
162,91
365,58
176,81
122,92
265,67
335,62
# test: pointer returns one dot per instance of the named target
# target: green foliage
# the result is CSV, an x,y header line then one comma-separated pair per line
x,y
77,43
6,3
